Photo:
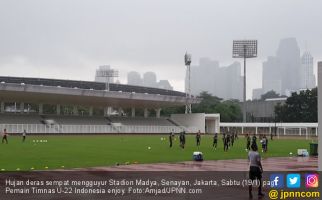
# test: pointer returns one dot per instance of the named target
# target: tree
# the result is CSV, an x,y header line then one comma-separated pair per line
x,y
300,107
172,110
229,110
269,95
207,104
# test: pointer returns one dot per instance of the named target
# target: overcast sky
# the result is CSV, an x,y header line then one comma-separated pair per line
x,y
69,39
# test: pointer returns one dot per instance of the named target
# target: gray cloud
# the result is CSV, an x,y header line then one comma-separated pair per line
x,y
69,39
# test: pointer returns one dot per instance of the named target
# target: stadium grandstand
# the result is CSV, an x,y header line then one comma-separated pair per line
x,y
67,106
42,105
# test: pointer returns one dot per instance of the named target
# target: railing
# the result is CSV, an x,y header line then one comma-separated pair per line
x,y
280,129
88,129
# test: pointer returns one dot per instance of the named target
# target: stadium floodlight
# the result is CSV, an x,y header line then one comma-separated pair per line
x,y
107,74
187,61
244,49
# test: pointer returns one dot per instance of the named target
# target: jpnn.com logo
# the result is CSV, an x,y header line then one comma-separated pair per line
x,y
277,180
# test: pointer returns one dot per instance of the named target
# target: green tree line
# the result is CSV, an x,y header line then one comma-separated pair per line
x,y
229,110
299,107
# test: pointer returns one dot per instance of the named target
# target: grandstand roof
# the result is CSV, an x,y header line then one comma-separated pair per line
x,y
89,85
70,92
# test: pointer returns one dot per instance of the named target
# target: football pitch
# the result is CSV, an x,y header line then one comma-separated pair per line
x,y
66,152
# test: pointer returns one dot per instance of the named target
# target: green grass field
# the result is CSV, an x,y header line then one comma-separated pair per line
x,y
104,150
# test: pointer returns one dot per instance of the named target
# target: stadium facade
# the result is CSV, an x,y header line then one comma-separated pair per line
x,y
85,93
40,92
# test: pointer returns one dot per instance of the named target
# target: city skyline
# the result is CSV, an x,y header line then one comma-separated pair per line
x,y
149,79
289,70
68,40
225,82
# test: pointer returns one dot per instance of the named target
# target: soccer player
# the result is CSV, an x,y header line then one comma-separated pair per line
x,y
226,141
214,144
198,138
264,144
254,142
255,169
232,139
248,142
24,135
182,139
171,137
4,137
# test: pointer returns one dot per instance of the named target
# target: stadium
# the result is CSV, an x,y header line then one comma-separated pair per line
x,y
58,112
65,98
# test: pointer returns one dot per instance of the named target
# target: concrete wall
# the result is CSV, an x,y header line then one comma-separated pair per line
x,y
195,120
262,109
320,113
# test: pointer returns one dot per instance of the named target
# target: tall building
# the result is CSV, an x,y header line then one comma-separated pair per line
x,y
308,78
223,82
134,78
272,77
257,93
149,80
288,55
287,71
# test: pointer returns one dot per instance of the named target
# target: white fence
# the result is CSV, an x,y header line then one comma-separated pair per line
x,y
280,129
88,129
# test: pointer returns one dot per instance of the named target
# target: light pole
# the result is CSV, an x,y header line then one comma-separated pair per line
x,y
244,49
107,74
187,61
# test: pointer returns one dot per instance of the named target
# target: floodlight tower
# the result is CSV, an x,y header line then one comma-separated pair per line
x,y
244,49
107,74
187,61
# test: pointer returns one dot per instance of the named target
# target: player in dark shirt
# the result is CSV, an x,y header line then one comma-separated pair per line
x,y
248,142
214,144
198,138
171,138
4,137
226,142
232,139
182,138
254,141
